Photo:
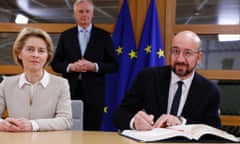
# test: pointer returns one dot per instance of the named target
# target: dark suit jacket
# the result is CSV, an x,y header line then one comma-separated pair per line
x,y
99,49
150,92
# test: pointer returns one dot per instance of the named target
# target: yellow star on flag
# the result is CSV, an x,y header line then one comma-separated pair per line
x,y
119,50
148,49
132,54
105,109
160,53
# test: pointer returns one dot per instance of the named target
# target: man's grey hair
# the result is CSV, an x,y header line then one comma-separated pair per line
x,y
80,1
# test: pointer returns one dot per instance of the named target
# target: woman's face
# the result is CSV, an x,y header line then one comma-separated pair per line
x,y
34,54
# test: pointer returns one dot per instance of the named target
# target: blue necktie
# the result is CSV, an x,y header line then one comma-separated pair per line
x,y
83,40
176,99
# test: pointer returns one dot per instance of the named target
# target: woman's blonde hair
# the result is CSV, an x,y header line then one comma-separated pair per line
x,y
24,34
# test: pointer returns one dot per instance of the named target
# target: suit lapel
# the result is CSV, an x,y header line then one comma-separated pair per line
x,y
90,43
76,43
193,96
163,90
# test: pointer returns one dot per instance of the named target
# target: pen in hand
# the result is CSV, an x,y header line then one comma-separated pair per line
x,y
150,118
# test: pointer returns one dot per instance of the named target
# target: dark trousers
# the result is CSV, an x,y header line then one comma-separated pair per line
x,y
92,114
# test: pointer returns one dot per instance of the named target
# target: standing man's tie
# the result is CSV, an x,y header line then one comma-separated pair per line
x,y
83,40
176,99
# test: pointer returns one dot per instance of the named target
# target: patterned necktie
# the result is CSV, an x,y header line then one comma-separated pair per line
x,y
176,99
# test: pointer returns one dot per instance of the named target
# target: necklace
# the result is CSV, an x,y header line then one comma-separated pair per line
x,y
31,95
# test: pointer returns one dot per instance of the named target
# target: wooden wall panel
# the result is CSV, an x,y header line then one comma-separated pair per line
x,y
51,28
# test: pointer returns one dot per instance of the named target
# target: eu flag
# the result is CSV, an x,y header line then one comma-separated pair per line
x,y
150,51
116,83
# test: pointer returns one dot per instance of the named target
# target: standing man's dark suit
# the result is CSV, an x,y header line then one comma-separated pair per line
x,y
83,55
150,92
99,50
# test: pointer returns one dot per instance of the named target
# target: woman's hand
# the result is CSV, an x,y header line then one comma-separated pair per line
x,y
16,125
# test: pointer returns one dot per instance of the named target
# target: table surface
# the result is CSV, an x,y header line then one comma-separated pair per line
x,y
66,137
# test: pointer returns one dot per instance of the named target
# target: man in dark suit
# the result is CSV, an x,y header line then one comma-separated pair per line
x,y
84,54
149,103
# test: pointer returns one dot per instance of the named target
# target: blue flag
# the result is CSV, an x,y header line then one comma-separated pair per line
x,y
150,51
116,83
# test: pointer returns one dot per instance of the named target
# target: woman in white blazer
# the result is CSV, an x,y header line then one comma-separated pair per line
x,y
35,100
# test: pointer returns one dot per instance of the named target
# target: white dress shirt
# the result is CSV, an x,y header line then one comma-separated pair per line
x,y
173,87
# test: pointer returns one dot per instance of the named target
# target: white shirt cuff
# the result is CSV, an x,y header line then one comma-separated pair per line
x,y
97,67
131,123
183,120
68,67
35,126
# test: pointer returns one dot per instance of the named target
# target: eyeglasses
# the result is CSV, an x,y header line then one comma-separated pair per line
x,y
186,53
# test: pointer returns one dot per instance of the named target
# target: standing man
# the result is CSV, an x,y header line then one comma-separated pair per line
x,y
151,102
84,54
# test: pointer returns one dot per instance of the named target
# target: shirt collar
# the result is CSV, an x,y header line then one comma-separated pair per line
x,y
88,28
175,79
44,81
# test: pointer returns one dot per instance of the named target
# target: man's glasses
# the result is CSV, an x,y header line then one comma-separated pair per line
x,y
186,53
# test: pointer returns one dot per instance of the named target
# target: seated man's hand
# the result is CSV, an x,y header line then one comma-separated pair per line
x,y
166,120
143,121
